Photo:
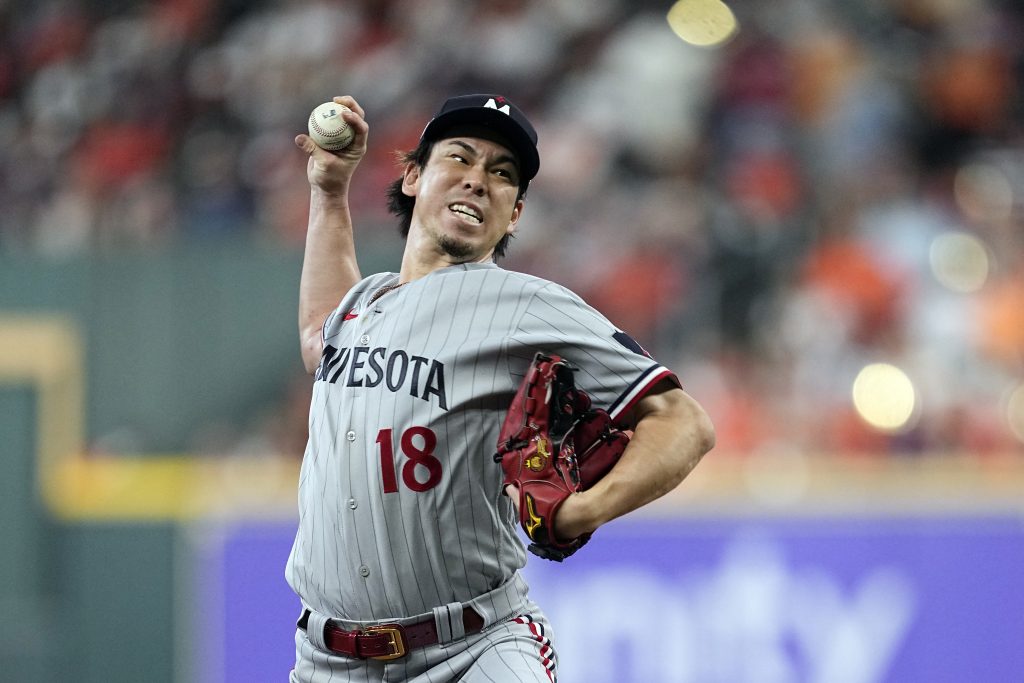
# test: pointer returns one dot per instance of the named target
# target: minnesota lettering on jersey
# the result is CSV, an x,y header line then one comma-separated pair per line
x,y
365,367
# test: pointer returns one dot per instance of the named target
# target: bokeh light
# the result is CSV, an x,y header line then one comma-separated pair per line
x,y
884,397
705,23
959,261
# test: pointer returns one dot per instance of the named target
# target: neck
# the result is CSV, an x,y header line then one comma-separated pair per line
x,y
422,257
413,269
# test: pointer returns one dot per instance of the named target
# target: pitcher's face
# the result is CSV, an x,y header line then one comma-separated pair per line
x,y
467,196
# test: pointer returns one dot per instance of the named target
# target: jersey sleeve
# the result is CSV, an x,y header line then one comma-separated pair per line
x,y
611,367
351,304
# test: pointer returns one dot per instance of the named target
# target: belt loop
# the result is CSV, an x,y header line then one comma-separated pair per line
x,y
448,622
315,630
502,602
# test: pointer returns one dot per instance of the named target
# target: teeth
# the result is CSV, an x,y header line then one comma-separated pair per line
x,y
468,212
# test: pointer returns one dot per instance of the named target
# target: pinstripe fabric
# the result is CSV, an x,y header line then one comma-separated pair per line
x,y
400,501
518,650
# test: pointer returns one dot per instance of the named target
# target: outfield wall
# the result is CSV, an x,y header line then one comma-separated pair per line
x,y
811,599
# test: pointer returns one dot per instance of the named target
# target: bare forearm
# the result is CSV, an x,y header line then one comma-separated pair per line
x,y
329,267
657,460
666,446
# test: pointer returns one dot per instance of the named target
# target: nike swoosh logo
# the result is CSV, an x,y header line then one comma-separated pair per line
x,y
350,315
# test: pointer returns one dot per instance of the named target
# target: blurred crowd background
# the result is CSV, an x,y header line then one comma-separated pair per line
x,y
838,185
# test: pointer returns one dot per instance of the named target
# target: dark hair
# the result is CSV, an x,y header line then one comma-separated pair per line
x,y
401,204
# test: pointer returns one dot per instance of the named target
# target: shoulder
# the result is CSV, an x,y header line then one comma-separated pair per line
x,y
489,278
492,285
355,297
370,283
550,294
375,280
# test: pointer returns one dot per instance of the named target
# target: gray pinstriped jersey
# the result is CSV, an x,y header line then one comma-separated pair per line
x,y
400,501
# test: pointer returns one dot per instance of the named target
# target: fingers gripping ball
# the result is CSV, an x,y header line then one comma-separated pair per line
x,y
328,129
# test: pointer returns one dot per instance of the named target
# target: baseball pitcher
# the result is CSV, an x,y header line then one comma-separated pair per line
x,y
454,401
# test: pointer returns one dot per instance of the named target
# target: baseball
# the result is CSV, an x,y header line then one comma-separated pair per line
x,y
328,129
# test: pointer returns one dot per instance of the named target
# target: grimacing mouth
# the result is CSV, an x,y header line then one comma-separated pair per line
x,y
468,211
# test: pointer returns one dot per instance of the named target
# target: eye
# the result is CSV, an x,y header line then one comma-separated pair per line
x,y
458,157
506,173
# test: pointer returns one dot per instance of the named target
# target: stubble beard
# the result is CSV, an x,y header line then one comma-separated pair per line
x,y
453,247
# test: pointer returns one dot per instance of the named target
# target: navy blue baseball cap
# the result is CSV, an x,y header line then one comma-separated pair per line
x,y
488,113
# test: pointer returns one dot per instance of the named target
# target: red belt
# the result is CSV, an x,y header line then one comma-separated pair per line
x,y
387,641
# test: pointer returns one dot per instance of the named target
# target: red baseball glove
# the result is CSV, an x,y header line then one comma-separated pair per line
x,y
552,445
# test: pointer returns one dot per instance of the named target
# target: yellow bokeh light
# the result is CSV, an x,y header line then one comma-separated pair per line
x,y
1015,412
705,23
884,397
959,261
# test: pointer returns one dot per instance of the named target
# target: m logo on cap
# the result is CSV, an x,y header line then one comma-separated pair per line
x,y
492,105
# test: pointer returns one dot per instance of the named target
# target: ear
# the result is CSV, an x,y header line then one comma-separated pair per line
x,y
411,179
517,212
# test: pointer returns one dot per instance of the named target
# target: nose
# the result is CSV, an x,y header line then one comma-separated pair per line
x,y
475,181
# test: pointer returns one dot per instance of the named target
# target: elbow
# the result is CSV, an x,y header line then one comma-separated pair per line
x,y
685,418
687,421
311,347
705,433
698,425
311,340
